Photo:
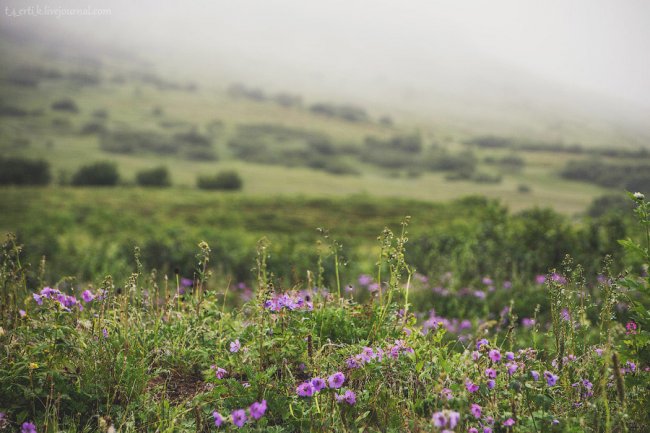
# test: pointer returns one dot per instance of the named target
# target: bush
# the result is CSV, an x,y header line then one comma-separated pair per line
x,y
22,171
97,174
158,176
65,105
225,180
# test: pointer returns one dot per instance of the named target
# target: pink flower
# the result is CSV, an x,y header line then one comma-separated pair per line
x,y
631,327
235,346
476,410
509,422
495,355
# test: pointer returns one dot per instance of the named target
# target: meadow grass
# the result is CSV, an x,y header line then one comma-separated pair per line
x,y
171,354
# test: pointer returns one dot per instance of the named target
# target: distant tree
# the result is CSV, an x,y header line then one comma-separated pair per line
x,y
224,180
23,171
158,176
97,174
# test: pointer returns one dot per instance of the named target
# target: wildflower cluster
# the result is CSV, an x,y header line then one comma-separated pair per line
x,y
67,302
369,355
289,301
239,417
317,384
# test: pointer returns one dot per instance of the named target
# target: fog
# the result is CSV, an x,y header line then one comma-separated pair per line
x,y
414,55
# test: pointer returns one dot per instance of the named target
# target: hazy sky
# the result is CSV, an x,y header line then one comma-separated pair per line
x,y
595,45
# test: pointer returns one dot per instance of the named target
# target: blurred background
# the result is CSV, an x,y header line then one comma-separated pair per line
x,y
160,124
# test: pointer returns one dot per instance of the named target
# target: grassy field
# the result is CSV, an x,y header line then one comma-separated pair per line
x,y
132,103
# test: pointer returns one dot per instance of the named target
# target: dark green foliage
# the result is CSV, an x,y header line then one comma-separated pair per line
x,y
400,151
65,104
124,141
23,171
280,145
611,203
228,180
489,242
495,142
93,127
158,176
632,177
11,111
462,164
190,145
349,113
97,174
512,162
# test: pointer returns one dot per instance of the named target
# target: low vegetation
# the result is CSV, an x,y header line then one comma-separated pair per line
x,y
190,352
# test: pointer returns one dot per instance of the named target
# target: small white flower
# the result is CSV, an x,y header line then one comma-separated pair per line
x,y
639,196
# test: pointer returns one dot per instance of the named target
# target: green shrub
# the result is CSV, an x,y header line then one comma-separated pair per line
x,y
158,176
66,104
22,171
97,174
224,180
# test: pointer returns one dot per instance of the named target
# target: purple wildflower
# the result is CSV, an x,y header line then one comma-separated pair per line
x,y
87,296
239,417
495,355
235,346
512,367
218,419
219,372
481,342
453,419
305,389
38,298
336,380
28,427
439,419
509,422
551,379
318,384
350,397
491,373
471,386
476,410
510,356
491,384
365,280
22,313
527,322
257,410
535,375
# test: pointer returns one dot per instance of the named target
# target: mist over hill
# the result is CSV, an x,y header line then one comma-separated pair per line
x,y
510,68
